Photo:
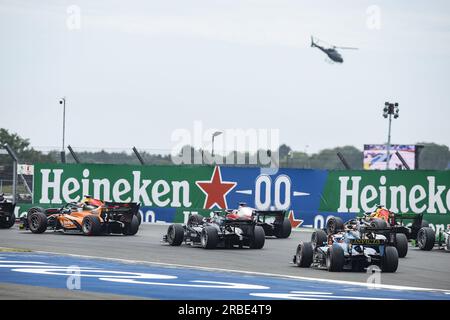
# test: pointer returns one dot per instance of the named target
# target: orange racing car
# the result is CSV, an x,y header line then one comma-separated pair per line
x,y
90,217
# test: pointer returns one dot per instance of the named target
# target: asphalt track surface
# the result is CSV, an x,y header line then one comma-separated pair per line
x,y
418,269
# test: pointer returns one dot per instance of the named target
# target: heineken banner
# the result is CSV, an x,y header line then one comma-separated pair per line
x,y
170,193
418,191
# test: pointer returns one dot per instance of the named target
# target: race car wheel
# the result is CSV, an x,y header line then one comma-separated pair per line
x,y
389,262
334,225
426,238
139,217
304,255
318,238
259,238
379,223
401,243
91,225
195,219
8,220
335,258
131,228
175,234
209,237
283,230
37,220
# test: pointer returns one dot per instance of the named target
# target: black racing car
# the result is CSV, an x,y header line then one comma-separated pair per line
x,y
414,228
221,230
7,216
353,247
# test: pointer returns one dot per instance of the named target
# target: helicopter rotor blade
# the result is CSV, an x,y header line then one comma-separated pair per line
x,y
350,48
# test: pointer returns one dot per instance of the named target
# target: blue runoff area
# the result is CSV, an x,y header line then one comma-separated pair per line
x,y
179,283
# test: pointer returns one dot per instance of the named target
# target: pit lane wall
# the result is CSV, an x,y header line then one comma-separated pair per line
x,y
170,193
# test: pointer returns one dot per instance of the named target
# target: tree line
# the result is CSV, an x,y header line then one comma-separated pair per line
x,y
432,156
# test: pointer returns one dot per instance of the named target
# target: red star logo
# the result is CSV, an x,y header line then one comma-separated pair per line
x,y
294,222
216,190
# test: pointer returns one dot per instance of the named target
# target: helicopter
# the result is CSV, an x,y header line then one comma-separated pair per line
x,y
331,52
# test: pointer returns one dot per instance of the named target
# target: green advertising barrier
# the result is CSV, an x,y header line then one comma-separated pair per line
x,y
170,193
418,191
158,186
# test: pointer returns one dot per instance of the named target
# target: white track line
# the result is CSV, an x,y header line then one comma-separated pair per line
x,y
344,282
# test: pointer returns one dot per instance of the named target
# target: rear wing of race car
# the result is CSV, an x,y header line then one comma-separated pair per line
x,y
278,214
120,211
416,218
388,232
122,207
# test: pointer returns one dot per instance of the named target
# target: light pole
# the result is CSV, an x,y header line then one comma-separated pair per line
x,y
215,134
390,109
63,152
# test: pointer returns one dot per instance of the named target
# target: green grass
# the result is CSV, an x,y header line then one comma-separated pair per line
x,y
13,250
8,189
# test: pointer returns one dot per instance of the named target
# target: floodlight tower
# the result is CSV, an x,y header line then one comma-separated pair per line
x,y
390,109
63,152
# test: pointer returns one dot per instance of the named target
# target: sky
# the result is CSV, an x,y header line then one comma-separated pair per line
x,y
136,72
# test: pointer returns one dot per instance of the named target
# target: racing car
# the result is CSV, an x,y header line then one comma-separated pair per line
x,y
7,216
419,230
90,217
352,248
442,240
394,236
447,239
221,229
273,222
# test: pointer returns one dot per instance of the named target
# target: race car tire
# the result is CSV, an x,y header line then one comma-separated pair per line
x,y
91,225
37,220
318,238
379,223
175,235
195,219
209,237
131,228
426,238
335,258
401,243
259,238
334,225
8,220
304,255
139,217
283,230
389,262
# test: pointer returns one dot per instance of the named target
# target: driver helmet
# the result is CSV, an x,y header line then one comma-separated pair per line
x,y
381,212
90,203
